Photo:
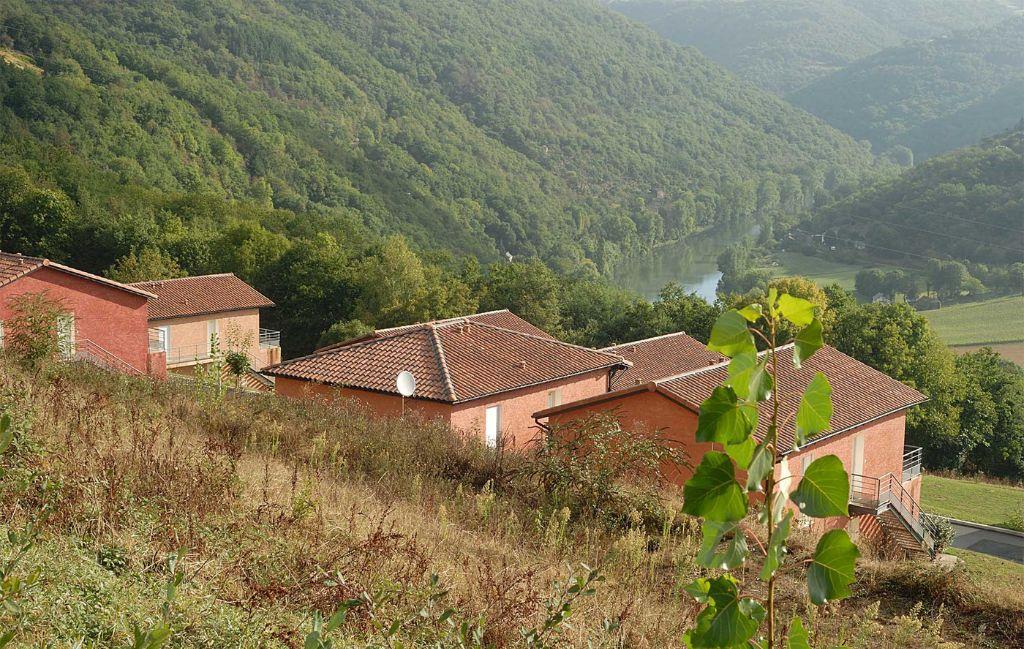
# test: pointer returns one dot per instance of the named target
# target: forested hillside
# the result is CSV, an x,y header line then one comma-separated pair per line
x,y
553,129
930,96
963,205
782,46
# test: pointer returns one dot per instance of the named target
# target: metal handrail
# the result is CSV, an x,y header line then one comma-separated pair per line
x,y
887,491
269,338
911,462
88,350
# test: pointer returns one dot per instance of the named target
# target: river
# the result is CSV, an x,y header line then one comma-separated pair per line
x,y
690,263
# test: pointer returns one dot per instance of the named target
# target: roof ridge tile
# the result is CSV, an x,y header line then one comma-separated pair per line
x,y
548,340
449,386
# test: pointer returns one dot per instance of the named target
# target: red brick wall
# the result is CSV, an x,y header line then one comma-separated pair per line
x,y
647,410
387,405
517,407
156,365
111,318
651,411
883,447
518,427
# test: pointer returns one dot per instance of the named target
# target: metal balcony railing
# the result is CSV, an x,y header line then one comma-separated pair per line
x,y
189,354
911,462
269,338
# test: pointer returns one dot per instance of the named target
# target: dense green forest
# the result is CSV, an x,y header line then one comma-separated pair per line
x,y
964,206
928,97
557,130
783,46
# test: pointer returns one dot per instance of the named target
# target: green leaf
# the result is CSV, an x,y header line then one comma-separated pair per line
x,y
795,309
727,621
759,466
831,571
798,638
815,412
749,378
752,312
724,418
824,489
713,492
777,548
699,589
808,340
742,453
773,298
735,551
730,335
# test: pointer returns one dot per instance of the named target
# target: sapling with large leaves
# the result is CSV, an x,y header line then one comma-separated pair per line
x,y
720,493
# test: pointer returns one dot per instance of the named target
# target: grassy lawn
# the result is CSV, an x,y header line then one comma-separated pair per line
x,y
822,271
989,321
989,504
992,569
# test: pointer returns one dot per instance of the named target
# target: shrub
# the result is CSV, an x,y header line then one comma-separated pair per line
x,y
30,334
941,530
601,472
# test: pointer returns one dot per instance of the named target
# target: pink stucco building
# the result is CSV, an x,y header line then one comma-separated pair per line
x,y
867,431
485,374
103,321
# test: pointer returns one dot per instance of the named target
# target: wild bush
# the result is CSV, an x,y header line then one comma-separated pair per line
x,y
602,472
941,531
30,333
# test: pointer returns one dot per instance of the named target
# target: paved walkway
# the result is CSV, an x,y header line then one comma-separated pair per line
x,y
985,539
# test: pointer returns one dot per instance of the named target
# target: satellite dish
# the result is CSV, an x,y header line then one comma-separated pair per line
x,y
406,383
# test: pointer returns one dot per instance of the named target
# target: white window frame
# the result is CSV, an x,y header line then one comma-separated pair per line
x,y
212,329
805,462
554,397
858,455
492,426
66,335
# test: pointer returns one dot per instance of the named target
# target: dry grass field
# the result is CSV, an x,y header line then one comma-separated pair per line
x,y
282,509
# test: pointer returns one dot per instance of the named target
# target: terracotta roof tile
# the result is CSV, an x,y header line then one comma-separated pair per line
x,y
14,266
502,318
453,361
660,357
201,295
859,393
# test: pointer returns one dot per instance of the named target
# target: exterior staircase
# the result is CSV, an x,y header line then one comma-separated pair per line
x,y
898,514
90,352
902,538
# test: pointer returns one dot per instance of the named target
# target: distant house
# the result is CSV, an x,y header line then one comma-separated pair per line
x,y
104,322
661,356
880,298
193,317
485,373
867,434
